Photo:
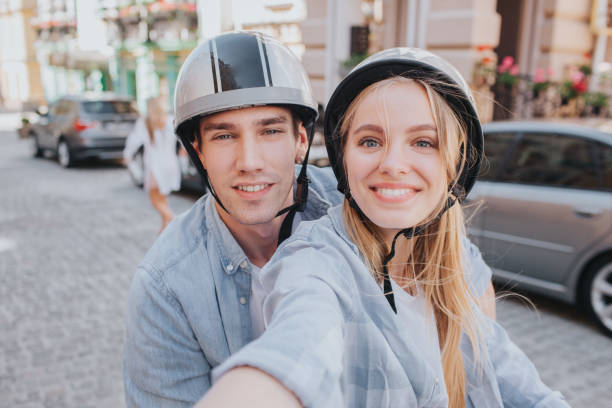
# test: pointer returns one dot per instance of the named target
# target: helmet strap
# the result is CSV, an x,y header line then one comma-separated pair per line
x,y
195,159
301,193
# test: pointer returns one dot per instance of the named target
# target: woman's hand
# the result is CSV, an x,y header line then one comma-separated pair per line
x,y
248,387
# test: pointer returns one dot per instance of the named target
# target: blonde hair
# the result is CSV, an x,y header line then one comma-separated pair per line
x,y
436,258
156,115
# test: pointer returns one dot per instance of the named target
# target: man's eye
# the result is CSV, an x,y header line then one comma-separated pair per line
x,y
222,136
271,131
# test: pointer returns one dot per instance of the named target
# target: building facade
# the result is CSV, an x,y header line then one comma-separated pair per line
x,y
150,41
550,35
70,48
20,80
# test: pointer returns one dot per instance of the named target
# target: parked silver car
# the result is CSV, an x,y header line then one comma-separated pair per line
x,y
545,221
80,127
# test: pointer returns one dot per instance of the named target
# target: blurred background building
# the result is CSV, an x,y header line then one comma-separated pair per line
x,y
20,79
513,51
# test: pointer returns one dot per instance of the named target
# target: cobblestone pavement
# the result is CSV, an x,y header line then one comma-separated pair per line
x,y
69,243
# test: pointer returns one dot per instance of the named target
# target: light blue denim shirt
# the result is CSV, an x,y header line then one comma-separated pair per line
x,y
333,340
188,307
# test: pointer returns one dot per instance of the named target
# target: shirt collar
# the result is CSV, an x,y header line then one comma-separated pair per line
x,y
337,219
231,253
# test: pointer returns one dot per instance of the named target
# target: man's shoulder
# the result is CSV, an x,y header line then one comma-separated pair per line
x,y
323,181
318,233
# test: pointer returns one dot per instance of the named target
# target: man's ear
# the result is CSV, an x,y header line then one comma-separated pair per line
x,y
196,146
302,144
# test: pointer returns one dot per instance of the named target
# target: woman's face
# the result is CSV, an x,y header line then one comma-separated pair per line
x,y
393,162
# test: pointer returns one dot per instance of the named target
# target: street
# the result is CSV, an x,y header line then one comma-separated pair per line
x,y
70,240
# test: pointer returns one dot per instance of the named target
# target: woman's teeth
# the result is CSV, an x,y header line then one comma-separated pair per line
x,y
393,192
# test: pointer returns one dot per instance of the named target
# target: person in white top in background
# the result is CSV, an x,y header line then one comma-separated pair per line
x,y
162,171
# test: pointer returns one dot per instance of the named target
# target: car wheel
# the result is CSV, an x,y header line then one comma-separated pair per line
x,y
64,155
597,293
35,149
136,169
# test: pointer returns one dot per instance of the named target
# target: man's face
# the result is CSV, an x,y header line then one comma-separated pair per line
x,y
249,155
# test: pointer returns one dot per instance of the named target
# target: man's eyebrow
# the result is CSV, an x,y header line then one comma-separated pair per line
x,y
271,121
218,126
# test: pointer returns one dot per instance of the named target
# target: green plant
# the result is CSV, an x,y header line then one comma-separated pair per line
x,y
596,99
585,69
353,60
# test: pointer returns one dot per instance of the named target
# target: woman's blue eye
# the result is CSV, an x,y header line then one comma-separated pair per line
x,y
370,143
423,143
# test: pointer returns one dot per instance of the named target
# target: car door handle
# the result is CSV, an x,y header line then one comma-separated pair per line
x,y
586,212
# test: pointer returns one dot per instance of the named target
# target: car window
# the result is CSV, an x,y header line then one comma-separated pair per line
x,y
95,107
553,160
605,153
497,145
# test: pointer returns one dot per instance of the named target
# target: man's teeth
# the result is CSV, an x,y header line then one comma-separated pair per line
x,y
393,192
252,189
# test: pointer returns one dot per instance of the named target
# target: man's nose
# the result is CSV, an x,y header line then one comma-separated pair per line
x,y
250,157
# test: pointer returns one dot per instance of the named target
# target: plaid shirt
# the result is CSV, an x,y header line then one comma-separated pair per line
x,y
333,340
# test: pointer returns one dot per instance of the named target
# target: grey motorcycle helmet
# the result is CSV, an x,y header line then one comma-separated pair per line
x,y
416,64
239,70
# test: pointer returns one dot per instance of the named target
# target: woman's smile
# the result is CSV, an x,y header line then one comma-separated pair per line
x,y
393,193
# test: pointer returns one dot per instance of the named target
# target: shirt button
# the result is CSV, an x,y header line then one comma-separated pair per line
x,y
242,300
244,264
230,267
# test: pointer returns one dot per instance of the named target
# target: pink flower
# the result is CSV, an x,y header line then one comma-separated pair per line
x,y
514,70
507,62
550,72
576,76
539,76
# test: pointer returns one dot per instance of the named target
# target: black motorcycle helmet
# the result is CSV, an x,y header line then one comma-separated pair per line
x,y
416,64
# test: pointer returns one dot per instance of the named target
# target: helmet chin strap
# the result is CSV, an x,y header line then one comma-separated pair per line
x,y
408,233
301,195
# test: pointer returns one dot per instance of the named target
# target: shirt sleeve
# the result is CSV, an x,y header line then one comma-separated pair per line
x,y
163,364
518,379
477,273
306,313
